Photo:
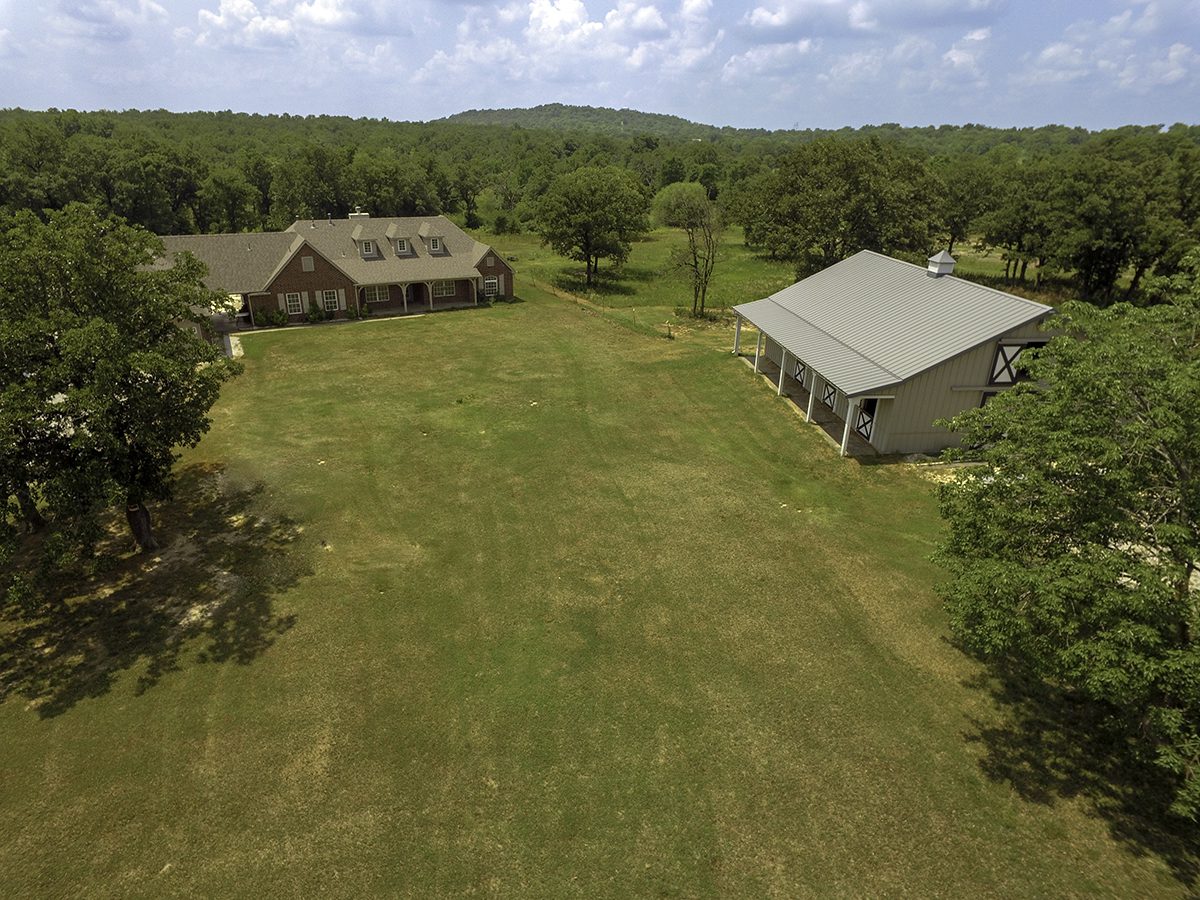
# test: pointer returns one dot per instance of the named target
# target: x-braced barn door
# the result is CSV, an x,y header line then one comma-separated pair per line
x,y
864,422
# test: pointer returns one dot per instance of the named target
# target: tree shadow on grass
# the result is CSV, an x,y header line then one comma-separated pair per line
x,y
622,282
207,596
1051,746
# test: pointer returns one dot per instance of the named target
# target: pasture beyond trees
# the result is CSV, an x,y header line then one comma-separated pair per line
x,y
516,600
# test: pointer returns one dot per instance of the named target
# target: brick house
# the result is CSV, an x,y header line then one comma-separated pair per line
x,y
347,266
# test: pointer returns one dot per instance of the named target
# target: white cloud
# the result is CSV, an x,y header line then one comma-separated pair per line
x,y
239,23
559,22
1174,66
1136,50
849,17
634,19
965,54
106,20
766,59
560,42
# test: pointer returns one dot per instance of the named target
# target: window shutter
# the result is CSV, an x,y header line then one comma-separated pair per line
x,y
341,298
283,303
501,283
304,300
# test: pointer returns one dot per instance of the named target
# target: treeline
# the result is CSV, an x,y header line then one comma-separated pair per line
x,y
1120,206
1101,208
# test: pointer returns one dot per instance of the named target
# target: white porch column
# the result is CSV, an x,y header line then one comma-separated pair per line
x,y
404,296
474,292
758,351
851,412
782,371
429,287
737,336
812,396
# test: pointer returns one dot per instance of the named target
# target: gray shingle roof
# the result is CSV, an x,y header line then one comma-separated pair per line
x,y
336,242
871,322
237,263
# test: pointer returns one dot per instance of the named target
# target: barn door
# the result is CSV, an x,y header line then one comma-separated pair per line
x,y
864,422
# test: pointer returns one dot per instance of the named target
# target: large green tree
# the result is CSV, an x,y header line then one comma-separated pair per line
x,y
101,382
1073,545
831,198
592,213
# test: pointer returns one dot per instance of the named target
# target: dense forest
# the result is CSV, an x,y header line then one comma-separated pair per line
x,y
1103,209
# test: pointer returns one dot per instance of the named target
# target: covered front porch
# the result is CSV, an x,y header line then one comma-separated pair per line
x,y
418,296
846,422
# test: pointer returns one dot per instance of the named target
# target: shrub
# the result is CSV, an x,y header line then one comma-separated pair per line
x,y
316,313
270,318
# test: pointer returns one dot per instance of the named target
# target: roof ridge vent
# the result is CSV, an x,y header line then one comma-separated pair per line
x,y
940,264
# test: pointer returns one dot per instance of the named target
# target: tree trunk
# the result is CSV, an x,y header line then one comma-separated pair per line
x,y
139,524
1024,266
950,247
1134,282
34,520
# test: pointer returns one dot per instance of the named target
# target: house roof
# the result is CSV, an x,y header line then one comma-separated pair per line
x,y
237,263
870,321
336,241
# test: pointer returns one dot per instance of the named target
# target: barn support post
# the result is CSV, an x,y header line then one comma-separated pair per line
x,y
757,351
812,396
782,371
737,336
851,412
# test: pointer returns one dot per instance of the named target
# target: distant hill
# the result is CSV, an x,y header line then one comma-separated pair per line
x,y
563,117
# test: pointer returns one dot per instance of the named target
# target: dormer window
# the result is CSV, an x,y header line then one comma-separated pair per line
x,y
435,245
401,245
368,248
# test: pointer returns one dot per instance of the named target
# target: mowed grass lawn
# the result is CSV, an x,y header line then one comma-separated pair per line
x,y
518,602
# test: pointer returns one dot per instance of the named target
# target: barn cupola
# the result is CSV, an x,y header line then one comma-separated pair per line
x,y
941,264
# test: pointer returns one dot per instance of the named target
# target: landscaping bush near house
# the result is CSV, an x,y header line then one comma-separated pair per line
x,y
270,318
317,313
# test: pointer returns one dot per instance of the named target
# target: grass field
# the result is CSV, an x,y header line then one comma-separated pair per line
x,y
646,292
519,602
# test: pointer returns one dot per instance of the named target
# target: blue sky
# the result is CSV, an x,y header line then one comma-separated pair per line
x,y
752,63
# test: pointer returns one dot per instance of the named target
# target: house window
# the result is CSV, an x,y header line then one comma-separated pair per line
x,y
401,245
443,289
491,286
368,248
306,263
376,293
294,307
491,261
435,245
330,300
